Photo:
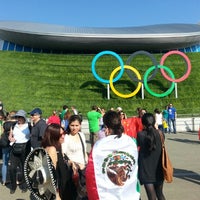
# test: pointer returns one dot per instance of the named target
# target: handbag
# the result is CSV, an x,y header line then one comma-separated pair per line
x,y
18,148
4,141
166,163
81,187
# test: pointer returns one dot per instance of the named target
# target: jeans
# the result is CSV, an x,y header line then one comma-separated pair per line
x,y
160,126
5,158
173,123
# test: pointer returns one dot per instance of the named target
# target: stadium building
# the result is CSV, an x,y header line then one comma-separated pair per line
x,y
47,38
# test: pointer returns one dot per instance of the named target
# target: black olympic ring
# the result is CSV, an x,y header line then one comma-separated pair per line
x,y
153,59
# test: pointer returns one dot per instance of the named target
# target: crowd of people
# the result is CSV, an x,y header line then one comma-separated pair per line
x,y
60,134
145,127
123,148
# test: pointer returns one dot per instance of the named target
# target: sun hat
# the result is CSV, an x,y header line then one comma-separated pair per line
x,y
40,174
36,111
20,113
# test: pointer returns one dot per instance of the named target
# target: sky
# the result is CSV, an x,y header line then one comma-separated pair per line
x,y
101,13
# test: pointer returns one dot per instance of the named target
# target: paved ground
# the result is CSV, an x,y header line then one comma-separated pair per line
x,y
184,151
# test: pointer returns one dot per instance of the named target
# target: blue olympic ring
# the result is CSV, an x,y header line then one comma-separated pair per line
x,y
108,53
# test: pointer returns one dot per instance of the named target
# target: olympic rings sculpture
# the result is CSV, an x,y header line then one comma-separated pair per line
x,y
128,69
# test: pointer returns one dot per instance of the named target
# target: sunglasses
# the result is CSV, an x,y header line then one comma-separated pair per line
x,y
63,133
19,117
33,115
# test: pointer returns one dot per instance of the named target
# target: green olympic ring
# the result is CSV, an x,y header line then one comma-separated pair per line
x,y
146,78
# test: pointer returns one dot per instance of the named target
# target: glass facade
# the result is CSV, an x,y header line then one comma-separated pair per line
x,y
9,46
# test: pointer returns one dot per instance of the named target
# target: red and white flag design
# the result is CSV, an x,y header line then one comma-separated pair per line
x,y
112,170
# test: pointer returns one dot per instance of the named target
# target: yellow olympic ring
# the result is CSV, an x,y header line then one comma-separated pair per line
x,y
125,95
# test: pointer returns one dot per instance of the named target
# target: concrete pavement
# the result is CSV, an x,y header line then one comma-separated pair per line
x,y
184,152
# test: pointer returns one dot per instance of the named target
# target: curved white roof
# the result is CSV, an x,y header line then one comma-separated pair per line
x,y
120,39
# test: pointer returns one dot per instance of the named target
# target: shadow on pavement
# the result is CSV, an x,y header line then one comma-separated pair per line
x,y
187,175
184,140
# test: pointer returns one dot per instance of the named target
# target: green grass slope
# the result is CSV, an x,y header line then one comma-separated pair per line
x,y
49,81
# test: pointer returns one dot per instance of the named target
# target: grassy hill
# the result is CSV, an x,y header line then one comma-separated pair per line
x,y
49,81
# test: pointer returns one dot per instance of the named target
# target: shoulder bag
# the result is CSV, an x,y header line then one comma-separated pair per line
x,y
4,141
18,148
81,188
166,163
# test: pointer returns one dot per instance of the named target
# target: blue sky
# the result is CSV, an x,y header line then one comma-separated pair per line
x,y
101,13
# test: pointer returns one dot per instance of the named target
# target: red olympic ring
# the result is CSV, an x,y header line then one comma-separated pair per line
x,y
188,66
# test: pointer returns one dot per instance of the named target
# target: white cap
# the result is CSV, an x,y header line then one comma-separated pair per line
x,y
119,109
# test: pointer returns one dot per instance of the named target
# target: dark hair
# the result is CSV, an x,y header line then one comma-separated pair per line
x,y
141,112
67,115
71,119
157,110
52,136
2,113
65,107
112,120
94,107
148,121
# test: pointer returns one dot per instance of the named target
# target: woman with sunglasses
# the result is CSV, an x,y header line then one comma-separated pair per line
x,y
51,142
19,137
